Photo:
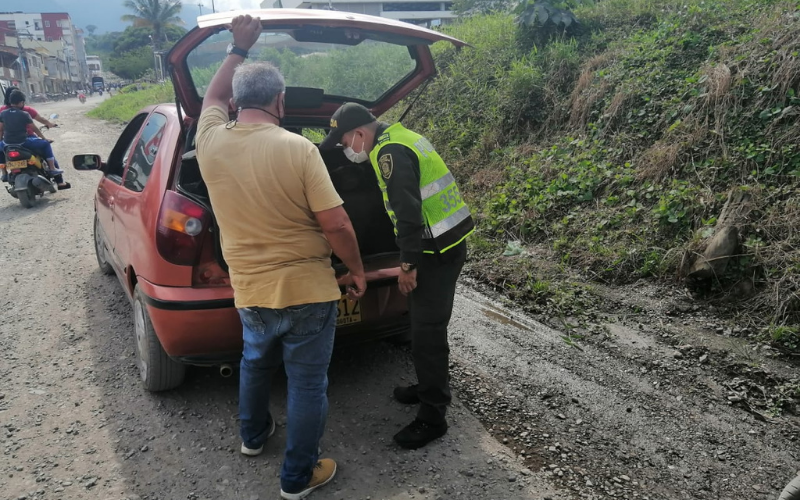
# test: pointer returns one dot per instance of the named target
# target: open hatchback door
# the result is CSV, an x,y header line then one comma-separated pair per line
x,y
326,57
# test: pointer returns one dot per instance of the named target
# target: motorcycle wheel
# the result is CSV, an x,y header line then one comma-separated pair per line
x,y
792,490
26,199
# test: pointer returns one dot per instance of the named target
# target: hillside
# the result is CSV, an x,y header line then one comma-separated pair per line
x,y
613,151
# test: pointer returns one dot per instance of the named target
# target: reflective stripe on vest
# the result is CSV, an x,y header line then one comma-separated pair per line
x,y
442,207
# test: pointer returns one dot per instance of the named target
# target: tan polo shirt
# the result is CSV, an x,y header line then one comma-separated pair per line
x,y
265,183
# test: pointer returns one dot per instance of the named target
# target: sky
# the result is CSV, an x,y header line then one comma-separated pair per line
x,y
105,14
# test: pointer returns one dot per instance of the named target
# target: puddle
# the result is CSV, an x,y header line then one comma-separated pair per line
x,y
503,319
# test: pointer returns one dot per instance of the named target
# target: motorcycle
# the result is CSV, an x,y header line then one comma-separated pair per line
x,y
27,175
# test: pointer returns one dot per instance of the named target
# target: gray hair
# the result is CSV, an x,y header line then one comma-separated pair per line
x,y
257,84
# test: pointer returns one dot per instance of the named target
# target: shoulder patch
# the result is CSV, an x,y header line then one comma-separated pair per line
x,y
386,165
385,137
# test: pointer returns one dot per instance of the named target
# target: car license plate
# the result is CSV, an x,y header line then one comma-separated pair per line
x,y
349,312
16,165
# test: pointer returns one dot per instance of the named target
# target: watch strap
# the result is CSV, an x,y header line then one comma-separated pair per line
x,y
238,51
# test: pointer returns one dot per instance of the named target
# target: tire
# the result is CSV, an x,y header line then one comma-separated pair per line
x,y
25,198
792,490
100,250
157,370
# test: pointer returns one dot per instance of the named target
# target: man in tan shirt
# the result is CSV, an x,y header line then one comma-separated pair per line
x,y
279,217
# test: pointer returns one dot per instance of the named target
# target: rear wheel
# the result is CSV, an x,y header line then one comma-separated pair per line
x,y
100,249
26,199
157,370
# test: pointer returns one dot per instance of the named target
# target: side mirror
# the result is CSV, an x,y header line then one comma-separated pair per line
x,y
87,162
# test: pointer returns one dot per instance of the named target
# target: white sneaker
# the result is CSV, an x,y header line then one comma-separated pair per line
x,y
254,452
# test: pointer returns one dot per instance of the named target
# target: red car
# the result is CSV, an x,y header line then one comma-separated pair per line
x,y
154,223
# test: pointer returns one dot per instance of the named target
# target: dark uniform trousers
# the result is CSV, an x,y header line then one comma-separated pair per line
x,y
431,305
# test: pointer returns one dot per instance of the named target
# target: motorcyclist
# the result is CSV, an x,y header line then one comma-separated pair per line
x,y
16,125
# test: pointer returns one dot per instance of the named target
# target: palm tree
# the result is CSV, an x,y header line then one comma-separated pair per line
x,y
155,14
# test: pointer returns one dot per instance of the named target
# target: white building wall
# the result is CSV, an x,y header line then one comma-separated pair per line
x,y
26,23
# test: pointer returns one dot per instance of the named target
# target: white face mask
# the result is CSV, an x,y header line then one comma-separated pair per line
x,y
354,157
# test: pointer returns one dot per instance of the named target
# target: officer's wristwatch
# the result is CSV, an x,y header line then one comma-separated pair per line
x,y
233,49
406,267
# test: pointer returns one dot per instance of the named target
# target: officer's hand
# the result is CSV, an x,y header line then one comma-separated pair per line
x,y
359,285
407,282
246,31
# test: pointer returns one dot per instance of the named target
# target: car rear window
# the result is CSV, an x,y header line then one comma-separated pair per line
x,y
352,64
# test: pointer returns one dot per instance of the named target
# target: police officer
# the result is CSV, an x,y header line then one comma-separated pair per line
x,y
431,223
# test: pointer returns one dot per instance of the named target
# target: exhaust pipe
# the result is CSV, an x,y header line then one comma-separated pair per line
x,y
225,370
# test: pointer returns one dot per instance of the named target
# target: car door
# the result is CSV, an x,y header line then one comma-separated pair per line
x,y
129,222
110,185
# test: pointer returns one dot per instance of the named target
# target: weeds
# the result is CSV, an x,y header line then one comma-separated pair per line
x,y
124,106
616,147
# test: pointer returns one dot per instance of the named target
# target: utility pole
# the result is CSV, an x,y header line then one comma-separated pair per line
x,y
213,10
22,63
200,6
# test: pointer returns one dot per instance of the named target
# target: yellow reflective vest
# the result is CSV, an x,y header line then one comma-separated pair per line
x,y
447,218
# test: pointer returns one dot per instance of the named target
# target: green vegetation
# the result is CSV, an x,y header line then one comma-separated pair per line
x,y
363,71
124,106
612,148
129,54
156,15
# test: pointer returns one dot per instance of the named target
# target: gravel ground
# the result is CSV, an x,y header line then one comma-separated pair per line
x,y
634,411
75,423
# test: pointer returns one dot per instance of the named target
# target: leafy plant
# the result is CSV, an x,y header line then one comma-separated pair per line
x,y
541,13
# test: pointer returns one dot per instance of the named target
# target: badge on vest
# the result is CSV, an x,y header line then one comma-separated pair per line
x,y
386,165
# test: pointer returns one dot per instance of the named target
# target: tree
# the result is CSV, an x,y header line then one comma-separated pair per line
x,y
132,64
154,14
91,28
133,38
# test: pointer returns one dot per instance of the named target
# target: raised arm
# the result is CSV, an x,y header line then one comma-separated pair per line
x,y
246,31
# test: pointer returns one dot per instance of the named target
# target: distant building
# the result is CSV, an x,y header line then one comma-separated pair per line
x,y
95,66
52,27
411,11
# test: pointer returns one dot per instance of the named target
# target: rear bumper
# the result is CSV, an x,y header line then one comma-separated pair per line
x,y
201,325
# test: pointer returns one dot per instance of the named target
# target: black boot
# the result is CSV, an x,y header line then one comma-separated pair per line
x,y
406,395
419,433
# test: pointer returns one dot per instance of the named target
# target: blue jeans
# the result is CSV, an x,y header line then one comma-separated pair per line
x,y
302,338
33,143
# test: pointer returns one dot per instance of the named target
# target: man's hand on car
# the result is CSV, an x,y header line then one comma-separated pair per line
x,y
407,282
355,284
246,31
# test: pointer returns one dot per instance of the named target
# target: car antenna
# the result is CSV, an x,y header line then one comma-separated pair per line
x,y
402,117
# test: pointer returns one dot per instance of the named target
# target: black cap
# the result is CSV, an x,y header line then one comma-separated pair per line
x,y
350,116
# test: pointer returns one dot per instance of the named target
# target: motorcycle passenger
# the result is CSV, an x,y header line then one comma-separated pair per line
x,y
33,132
14,128
34,114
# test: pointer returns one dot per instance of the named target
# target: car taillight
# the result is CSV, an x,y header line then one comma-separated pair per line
x,y
14,154
182,224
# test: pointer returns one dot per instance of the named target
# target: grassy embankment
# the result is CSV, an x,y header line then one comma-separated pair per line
x,y
123,106
613,152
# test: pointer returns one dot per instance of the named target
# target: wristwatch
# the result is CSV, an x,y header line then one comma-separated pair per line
x,y
406,267
233,49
